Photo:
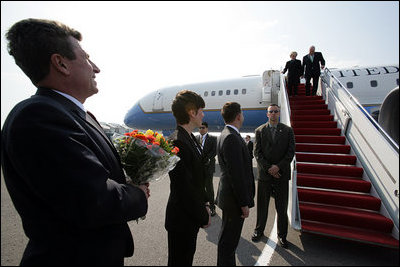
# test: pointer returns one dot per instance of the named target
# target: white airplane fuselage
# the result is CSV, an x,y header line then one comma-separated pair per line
x,y
369,85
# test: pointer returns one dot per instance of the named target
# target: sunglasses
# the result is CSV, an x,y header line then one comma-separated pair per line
x,y
273,111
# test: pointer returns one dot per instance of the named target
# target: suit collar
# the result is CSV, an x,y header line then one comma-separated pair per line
x,y
233,127
191,139
67,103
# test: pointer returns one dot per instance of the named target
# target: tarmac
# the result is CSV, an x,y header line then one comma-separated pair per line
x,y
151,248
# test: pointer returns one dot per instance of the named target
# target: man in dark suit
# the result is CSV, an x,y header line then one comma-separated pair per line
x,y
236,187
187,208
312,69
295,71
250,146
63,174
209,145
274,151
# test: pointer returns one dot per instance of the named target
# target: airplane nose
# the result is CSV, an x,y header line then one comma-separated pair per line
x,y
134,116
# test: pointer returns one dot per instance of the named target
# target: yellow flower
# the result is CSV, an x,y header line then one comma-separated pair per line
x,y
149,132
158,137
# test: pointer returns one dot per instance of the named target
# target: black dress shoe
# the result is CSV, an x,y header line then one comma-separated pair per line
x,y
256,237
282,242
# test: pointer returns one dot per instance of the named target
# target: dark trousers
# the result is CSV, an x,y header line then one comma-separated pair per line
x,y
315,79
280,188
229,236
181,248
210,188
292,86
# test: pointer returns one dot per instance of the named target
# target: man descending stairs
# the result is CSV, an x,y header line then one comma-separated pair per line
x,y
334,199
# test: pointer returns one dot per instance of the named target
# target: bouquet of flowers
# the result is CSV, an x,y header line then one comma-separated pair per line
x,y
146,157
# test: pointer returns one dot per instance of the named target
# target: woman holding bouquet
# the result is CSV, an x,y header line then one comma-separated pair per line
x,y
187,208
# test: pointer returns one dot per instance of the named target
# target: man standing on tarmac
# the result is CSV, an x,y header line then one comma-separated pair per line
x,y
209,145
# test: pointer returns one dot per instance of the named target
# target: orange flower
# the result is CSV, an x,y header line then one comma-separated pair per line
x,y
175,150
141,137
150,138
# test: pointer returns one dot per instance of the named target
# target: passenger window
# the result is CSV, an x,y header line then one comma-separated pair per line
x,y
236,91
206,93
349,85
243,91
228,92
220,92
212,93
374,83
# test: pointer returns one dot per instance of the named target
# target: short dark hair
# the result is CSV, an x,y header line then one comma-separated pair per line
x,y
273,105
32,42
184,102
230,110
205,124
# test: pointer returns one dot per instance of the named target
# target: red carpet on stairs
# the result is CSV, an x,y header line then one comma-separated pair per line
x,y
334,199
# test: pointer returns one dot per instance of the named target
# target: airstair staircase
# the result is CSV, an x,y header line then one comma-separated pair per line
x,y
334,199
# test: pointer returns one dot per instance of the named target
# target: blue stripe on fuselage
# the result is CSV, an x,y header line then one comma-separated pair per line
x,y
137,119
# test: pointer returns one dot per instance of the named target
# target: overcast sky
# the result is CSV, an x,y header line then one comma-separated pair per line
x,y
143,46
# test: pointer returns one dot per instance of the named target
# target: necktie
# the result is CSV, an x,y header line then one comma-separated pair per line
x,y
312,58
273,131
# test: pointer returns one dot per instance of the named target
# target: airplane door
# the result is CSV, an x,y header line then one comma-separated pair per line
x,y
158,101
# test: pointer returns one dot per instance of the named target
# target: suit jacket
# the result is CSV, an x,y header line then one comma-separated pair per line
x,y
65,179
295,69
278,152
236,187
311,69
186,210
209,152
250,146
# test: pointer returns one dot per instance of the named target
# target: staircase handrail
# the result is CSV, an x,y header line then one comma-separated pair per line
x,y
327,74
376,151
283,102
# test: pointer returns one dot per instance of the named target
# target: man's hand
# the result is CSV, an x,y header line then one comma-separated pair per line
x,y
245,212
145,188
209,218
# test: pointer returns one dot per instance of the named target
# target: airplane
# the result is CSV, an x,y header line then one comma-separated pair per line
x,y
369,85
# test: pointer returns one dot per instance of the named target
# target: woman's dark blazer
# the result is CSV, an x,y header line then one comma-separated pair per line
x,y
186,210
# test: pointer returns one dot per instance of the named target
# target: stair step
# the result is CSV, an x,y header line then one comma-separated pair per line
x,y
304,97
323,148
311,118
310,112
353,200
321,139
345,216
325,169
306,102
309,107
314,124
324,158
329,182
317,131
350,233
